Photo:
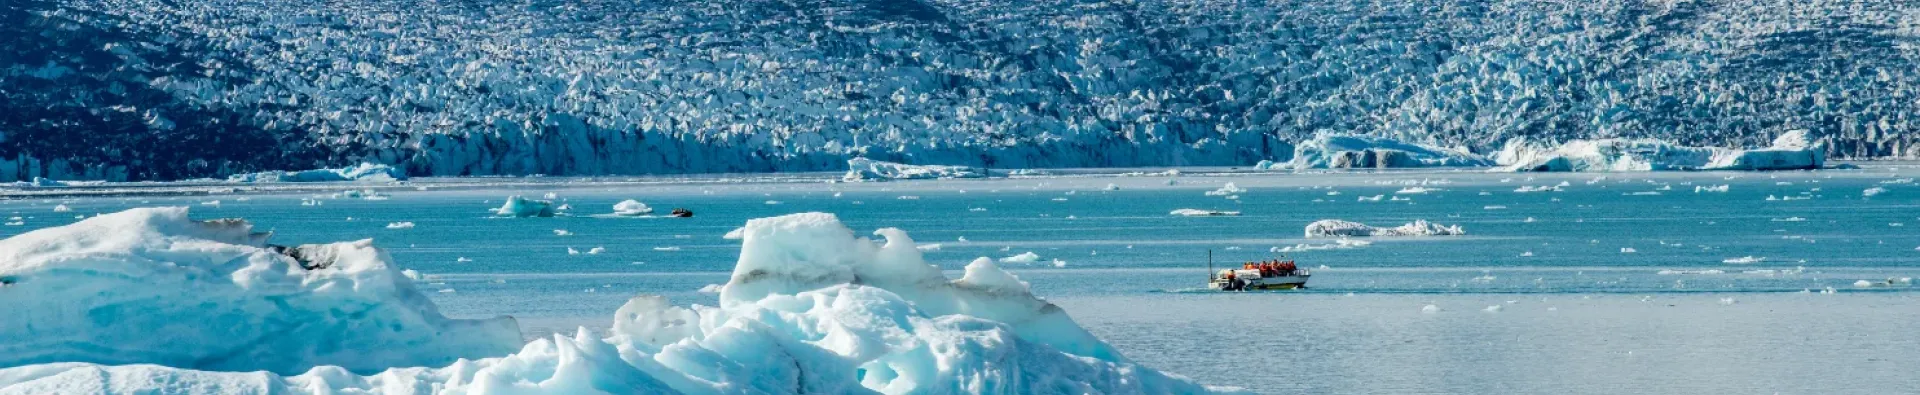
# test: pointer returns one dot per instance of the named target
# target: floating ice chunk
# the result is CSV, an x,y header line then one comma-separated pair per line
x,y
1526,254
1494,207
1340,151
1863,283
1025,257
712,288
1430,309
363,172
1745,260
929,247
1112,187
1190,212
1874,191
977,209
205,284
1057,262
596,250
572,251
1415,190
562,232
62,208
1790,219
400,225
463,259
631,208
1628,250
1226,190
1339,228
863,169
1669,272
1716,188
214,203
1790,151
1494,308
520,207
1728,301
1339,244
1374,198
668,248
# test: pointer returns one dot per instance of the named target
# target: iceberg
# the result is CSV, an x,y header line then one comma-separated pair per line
x,y
371,172
521,207
631,208
1794,150
1193,212
1340,228
809,308
863,169
1345,151
150,286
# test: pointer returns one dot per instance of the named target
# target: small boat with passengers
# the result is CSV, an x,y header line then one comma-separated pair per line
x,y
1256,276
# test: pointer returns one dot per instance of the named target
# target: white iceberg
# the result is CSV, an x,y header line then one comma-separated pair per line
x,y
810,308
521,207
1191,212
1340,151
1790,151
631,208
151,286
1340,228
1025,257
1226,190
362,172
863,169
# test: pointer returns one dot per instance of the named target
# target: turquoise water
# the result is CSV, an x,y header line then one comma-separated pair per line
x,y
1619,282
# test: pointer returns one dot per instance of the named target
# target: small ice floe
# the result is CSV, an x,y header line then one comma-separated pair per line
x,y
412,274
1493,309
1057,262
552,196
712,288
214,203
1674,272
631,208
1226,190
1025,257
1528,220
1400,199
1059,199
1374,198
1745,260
571,251
61,208
1416,190
1874,191
462,259
773,202
562,232
1790,219
907,197
1485,193
961,239
1190,212
977,209
1542,188
1728,301
1483,279
1340,244
670,248
1430,309
928,247
1642,193
446,290
1494,207
1112,187
596,250
310,202
400,225
1628,250
1526,254
1333,193
1864,284
1714,188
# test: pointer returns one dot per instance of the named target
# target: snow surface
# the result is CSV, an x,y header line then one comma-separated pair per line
x,y
1792,150
1340,228
370,172
517,206
810,308
1341,151
863,169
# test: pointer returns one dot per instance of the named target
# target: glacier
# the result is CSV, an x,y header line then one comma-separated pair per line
x,y
810,308
179,89
1793,150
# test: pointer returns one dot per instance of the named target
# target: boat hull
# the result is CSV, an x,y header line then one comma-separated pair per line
x,y
1263,284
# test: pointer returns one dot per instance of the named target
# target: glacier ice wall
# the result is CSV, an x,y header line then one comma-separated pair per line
x,y
165,89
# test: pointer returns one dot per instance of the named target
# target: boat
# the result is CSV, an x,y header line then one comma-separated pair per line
x,y
1259,276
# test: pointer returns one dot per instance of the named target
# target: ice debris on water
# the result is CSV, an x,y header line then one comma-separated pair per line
x,y
521,207
863,169
1340,228
1025,257
400,225
631,208
1226,190
1189,212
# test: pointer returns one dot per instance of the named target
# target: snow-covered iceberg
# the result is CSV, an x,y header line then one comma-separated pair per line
x,y
1341,151
1792,150
363,172
863,169
1194,212
151,286
517,206
810,308
631,208
1340,228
